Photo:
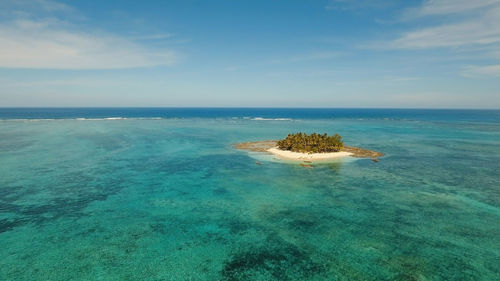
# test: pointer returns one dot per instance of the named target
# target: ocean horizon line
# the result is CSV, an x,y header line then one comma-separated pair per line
x,y
245,107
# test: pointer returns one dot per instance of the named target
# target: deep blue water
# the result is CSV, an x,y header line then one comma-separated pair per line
x,y
161,194
308,113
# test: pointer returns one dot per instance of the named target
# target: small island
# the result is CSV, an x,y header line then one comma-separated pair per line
x,y
309,148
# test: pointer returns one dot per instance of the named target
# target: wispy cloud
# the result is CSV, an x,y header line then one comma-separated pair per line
x,y
448,7
392,79
478,24
470,27
45,5
158,36
307,57
51,43
36,9
357,4
480,71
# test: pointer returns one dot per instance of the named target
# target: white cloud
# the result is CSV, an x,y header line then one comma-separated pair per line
x,y
50,43
326,55
470,27
488,70
50,5
478,28
36,8
312,56
484,30
445,7
357,4
46,5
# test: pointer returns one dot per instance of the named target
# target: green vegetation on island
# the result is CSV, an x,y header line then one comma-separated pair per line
x,y
313,143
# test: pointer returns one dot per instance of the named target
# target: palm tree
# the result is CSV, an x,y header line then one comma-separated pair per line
x,y
314,143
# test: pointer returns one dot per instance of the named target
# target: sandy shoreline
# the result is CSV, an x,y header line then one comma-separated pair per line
x,y
297,156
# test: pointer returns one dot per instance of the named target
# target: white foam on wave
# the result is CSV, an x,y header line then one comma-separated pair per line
x,y
115,118
27,120
271,119
119,118
79,119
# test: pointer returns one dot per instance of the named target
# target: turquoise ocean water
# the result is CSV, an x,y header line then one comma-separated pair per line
x,y
161,194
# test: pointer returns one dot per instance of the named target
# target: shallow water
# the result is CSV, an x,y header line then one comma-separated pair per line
x,y
167,198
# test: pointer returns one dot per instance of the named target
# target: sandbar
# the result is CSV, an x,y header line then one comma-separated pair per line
x,y
298,156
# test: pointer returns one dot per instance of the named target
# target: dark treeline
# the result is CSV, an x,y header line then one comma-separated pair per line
x,y
312,143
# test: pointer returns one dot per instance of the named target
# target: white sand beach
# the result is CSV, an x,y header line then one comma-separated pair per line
x,y
297,156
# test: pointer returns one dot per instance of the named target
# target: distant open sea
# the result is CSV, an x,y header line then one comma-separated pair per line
x,y
161,194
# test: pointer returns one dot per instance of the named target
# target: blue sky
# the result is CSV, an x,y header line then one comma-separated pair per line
x,y
329,53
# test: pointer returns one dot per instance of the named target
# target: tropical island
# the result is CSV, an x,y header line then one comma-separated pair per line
x,y
309,148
